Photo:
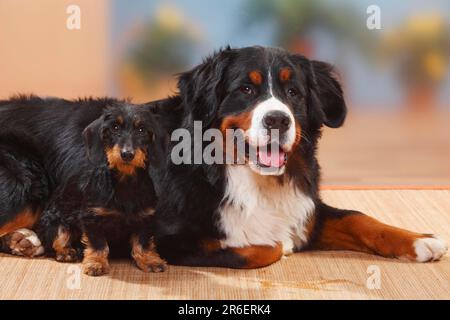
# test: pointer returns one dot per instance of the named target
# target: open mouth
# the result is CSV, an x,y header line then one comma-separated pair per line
x,y
271,155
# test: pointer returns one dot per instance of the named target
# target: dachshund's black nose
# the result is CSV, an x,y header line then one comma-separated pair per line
x,y
127,155
277,120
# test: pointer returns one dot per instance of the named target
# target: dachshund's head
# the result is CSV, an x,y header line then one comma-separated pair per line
x,y
121,137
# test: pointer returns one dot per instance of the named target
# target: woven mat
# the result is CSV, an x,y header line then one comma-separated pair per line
x,y
308,275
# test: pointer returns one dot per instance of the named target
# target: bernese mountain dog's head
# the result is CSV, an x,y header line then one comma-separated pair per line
x,y
278,100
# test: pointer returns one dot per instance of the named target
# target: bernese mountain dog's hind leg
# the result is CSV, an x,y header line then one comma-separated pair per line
x,y
22,242
23,190
350,230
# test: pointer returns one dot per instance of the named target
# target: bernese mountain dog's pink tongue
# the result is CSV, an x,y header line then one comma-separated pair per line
x,y
269,159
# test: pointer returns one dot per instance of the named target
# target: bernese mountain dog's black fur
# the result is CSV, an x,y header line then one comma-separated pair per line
x,y
85,163
249,215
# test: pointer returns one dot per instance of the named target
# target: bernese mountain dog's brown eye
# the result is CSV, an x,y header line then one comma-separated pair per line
x,y
246,90
292,92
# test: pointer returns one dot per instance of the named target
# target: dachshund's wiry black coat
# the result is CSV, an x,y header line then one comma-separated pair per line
x,y
113,201
44,165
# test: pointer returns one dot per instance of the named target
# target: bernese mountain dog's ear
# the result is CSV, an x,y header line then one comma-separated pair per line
x,y
327,95
166,116
92,137
202,87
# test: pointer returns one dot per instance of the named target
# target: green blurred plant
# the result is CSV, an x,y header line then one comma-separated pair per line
x,y
419,50
295,19
165,45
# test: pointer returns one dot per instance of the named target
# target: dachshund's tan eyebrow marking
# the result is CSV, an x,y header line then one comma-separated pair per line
x,y
285,74
255,77
119,120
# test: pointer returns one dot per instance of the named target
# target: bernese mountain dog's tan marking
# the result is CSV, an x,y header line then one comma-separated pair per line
x,y
259,256
256,77
25,219
285,74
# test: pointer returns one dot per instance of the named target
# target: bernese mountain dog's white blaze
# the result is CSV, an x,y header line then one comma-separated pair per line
x,y
269,161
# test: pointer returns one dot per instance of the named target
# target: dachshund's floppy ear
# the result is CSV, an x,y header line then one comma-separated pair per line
x,y
327,95
92,137
202,87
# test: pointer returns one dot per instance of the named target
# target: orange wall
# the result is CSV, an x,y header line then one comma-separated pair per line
x,y
38,54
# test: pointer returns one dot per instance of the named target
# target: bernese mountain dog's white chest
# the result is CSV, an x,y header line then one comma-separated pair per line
x,y
261,210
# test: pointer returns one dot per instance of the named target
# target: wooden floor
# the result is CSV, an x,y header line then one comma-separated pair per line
x,y
308,275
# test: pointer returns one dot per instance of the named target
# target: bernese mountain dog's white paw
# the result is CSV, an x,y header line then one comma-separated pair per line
x,y
24,242
429,249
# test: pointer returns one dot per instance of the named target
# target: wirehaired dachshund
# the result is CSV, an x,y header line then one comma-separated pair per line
x,y
78,170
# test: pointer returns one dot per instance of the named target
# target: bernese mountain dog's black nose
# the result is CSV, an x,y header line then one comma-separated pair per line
x,y
277,120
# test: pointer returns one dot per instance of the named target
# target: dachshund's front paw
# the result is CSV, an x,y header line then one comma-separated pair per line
x,y
153,264
96,268
67,255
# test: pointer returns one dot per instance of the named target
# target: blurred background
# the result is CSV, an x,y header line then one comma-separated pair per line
x,y
396,78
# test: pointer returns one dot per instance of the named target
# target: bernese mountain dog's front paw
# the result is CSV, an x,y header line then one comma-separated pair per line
x,y
429,248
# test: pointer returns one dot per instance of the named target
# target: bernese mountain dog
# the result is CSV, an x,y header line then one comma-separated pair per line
x,y
250,214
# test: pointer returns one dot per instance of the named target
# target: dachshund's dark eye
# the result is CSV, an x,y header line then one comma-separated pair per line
x,y
141,130
246,90
292,92
116,127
